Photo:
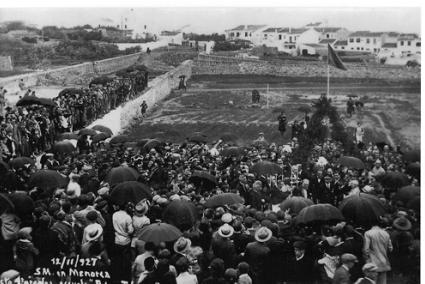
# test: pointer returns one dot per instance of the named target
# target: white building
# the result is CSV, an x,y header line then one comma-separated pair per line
x,y
408,44
285,39
366,41
337,33
252,33
340,45
172,37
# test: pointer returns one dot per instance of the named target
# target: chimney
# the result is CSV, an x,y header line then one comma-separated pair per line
x,y
290,29
245,27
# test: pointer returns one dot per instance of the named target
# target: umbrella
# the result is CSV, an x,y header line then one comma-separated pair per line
x,y
415,204
87,131
414,169
4,167
5,203
100,137
232,151
393,179
68,136
412,156
408,193
181,213
103,129
160,232
229,137
22,202
266,168
64,146
119,139
204,178
152,144
120,174
47,179
295,204
305,108
351,162
224,199
21,162
319,213
382,144
362,209
102,80
130,191
33,100
198,138
141,143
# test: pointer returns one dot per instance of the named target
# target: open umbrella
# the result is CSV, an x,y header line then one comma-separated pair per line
x,y
4,167
203,178
319,213
362,209
198,137
152,144
232,151
21,162
5,203
47,179
68,136
130,191
229,137
121,174
33,100
64,146
141,143
266,168
393,179
407,193
415,204
87,131
119,139
351,162
100,137
295,204
414,169
382,144
22,202
224,199
102,80
181,213
103,129
412,156
160,232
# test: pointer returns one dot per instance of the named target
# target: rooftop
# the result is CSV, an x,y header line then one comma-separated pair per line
x,y
313,24
315,45
326,41
389,45
366,34
169,33
271,30
248,27
341,42
327,29
407,36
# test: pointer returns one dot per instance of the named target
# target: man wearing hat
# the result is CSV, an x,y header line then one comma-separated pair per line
x,y
300,265
378,169
370,272
282,123
402,239
222,246
342,273
257,252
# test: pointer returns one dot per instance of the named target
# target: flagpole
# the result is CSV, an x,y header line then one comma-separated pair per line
x,y
327,92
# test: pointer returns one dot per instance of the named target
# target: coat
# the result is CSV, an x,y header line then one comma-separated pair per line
x,y
298,270
377,244
256,255
342,276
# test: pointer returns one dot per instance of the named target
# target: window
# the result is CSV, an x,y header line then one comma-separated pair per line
x,y
368,40
358,39
342,47
418,44
265,35
280,37
232,34
374,41
238,34
362,48
351,39
401,43
352,48
246,34
290,38
327,36
409,42
358,48
250,34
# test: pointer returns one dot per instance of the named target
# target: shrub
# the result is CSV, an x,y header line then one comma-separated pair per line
x,y
29,39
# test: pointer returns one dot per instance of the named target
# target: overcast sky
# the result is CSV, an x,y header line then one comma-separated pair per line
x,y
208,20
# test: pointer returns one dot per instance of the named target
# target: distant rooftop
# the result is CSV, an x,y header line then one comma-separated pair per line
x,y
326,41
170,33
248,27
341,42
366,34
313,24
327,29
389,45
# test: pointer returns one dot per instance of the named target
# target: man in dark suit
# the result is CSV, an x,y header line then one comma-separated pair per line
x,y
327,191
302,265
342,274
313,188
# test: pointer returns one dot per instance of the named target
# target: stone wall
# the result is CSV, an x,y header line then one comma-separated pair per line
x,y
158,89
75,74
301,68
6,63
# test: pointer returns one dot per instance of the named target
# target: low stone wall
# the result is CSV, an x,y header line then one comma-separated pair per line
x,y
75,74
302,69
158,89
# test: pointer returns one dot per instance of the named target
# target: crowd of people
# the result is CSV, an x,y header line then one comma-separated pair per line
x,y
254,241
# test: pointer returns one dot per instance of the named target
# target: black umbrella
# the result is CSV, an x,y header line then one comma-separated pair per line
x,y
160,232
182,214
121,174
266,168
152,144
412,156
362,209
203,178
100,137
351,162
319,213
130,191
414,169
232,152
408,193
198,138
87,131
224,199
295,204
4,167
393,179
64,146
229,137
33,100
23,203
119,139
68,136
5,203
103,129
21,162
102,80
47,179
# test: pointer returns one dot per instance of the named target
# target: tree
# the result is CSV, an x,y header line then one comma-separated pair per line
x,y
15,25
52,32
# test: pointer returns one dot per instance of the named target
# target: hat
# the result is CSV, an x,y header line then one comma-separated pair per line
x,y
378,161
8,275
175,197
103,191
369,267
261,133
182,245
226,231
94,231
348,257
25,233
299,245
402,224
231,273
227,218
263,234
141,207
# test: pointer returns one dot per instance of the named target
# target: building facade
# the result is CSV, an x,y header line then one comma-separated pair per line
x,y
252,33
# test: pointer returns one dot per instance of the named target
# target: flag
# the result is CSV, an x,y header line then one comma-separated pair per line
x,y
334,60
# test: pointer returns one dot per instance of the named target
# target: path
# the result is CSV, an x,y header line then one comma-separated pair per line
x,y
385,130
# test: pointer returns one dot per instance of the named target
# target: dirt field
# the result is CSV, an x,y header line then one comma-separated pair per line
x,y
219,104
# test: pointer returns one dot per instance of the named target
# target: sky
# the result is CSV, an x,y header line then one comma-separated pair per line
x,y
209,20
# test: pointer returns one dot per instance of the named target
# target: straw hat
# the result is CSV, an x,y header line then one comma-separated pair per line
x,y
226,231
182,245
263,234
402,224
94,232
141,208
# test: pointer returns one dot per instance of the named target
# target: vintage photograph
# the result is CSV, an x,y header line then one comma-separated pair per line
x,y
228,145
